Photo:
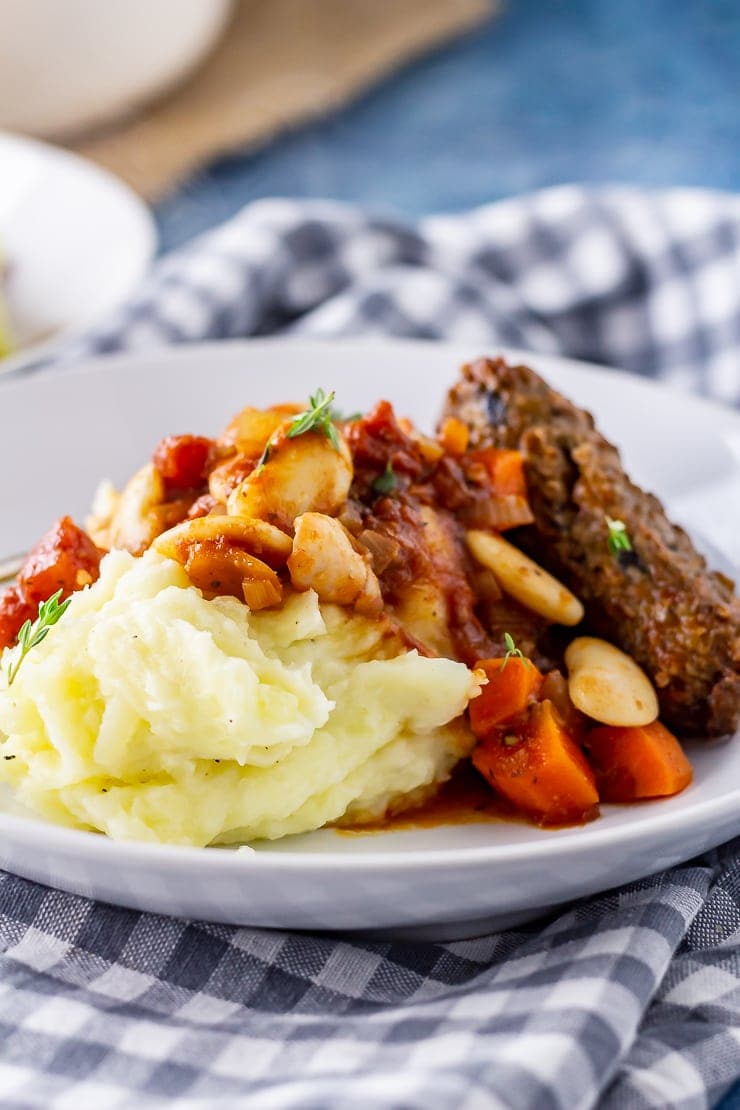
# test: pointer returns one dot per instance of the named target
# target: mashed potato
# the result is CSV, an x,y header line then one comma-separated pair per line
x,y
151,713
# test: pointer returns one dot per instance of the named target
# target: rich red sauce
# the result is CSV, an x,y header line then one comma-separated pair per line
x,y
465,800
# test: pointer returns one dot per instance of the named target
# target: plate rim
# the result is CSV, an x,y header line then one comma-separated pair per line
x,y
34,830
214,347
227,857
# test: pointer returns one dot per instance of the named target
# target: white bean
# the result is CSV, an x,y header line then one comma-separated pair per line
x,y
524,580
607,685
255,536
325,560
305,474
135,522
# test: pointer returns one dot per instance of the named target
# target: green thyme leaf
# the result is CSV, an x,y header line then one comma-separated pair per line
x,y
35,632
318,417
512,651
333,435
264,456
386,482
618,538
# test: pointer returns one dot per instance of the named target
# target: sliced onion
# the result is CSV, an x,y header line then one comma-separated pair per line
x,y
509,510
383,550
261,593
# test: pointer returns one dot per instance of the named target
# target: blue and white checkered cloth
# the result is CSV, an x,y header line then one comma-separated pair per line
x,y
630,1000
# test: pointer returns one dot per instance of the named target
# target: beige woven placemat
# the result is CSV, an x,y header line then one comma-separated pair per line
x,y
280,62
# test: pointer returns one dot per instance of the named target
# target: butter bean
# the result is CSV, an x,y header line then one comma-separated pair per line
x,y
524,580
607,685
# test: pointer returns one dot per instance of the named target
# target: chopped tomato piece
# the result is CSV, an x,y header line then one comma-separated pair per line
x,y
540,768
512,685
639,762
14,612
182,461
64,559
378,438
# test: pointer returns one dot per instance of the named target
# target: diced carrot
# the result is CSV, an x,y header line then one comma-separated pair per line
x,y
640,762
454,436
555,689
505,469
511,687
540,768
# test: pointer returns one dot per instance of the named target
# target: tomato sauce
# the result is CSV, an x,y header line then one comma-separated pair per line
x,y
466,799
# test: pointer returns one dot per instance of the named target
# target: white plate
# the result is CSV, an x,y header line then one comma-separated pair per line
x,y
103,419
77,242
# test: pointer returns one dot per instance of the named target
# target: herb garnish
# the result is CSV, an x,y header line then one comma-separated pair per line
x,y
618,539
264,456
318,417
513,652
386,482
33,632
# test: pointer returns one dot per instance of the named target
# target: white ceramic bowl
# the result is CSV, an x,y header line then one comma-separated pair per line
x,y
69,65
104,419
77,243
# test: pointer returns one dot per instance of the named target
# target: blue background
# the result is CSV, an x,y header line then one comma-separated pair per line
x,y
642,91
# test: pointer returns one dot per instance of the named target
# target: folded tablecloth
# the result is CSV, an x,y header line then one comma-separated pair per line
x,y
627,1000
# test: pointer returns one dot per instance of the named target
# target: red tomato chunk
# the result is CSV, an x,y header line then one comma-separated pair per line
x,y
14,612
65,559
182,461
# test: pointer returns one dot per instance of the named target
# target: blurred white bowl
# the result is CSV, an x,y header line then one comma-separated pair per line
x,y
70,65
76,240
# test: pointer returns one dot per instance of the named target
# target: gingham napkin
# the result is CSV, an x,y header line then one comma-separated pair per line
x,y
628,1000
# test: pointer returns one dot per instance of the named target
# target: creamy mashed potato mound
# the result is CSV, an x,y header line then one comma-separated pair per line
x,y
152,713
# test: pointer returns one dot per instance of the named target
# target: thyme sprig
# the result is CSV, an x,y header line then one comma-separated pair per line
x,y
618,539
318,417
33,632
513,652
386,482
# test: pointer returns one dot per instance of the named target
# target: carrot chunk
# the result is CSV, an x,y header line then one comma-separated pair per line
x,y
540,769
511,687
454,436
555,689
639,762
505,470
